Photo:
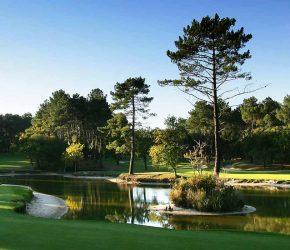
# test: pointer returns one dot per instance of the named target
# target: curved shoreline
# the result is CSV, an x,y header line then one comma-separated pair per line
x,y
232,182
46,206
270,184
186,211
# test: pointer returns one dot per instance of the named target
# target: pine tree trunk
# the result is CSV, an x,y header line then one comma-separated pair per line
x,y
100,153
144,196
175,174
131,167
131,203
217,162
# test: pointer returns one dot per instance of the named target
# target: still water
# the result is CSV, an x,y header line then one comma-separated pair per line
x,y
103,200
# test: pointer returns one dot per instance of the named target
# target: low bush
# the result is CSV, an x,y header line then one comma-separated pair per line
x,y
206,194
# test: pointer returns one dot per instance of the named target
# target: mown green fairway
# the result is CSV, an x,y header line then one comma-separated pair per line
x,y
20,232
281,175
17,162
25,232
13,162
258,175
12,198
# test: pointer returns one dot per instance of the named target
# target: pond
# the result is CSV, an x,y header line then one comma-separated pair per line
x,y
103,200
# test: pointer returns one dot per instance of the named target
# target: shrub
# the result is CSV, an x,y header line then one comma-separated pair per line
x,y
206,194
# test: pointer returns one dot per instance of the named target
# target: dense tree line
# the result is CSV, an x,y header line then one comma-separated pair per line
x,y
256,131
69,119
10,128
69,128
72,128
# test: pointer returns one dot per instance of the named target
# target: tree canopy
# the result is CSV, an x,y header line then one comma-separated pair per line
x,y
131,96
208,56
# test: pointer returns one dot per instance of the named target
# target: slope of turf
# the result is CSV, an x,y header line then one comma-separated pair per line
x,y
32,233
14,197
14,162
24,232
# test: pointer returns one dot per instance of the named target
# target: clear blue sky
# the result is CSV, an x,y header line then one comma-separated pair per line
x,y
46,45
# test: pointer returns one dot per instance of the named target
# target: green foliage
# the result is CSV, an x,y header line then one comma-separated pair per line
x,y
199,41
10,128
131,97
269,110
144,141
206,193
53,116
200,125
284,113
209,55
45,151
200,118
167,155
268,146
260,115
117,132
169,144
74,118
132,90
259,147
251,112
282,145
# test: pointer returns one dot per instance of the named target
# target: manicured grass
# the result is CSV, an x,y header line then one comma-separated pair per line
x,y
25,232
148,177
17,162
279,175
13,162
255,175
54,234
244,165
15,197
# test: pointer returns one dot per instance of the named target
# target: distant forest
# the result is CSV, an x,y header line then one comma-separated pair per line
x,y
71,128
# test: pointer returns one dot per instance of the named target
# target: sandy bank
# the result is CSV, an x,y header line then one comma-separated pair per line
x,y
183,211
46,206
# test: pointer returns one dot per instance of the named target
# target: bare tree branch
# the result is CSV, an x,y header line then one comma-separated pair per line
x,y
245,92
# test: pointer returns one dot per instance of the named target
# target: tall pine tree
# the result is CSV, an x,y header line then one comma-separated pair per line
x,y
131,97
208,56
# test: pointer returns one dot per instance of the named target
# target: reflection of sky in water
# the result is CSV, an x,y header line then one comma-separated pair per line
x,y
153,195
150,224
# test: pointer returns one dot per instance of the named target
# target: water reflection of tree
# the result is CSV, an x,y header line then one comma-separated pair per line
x,y
107,201
95,200
160,219
141,207
247,223
270,203
269,224
208,222
127,204
137,206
